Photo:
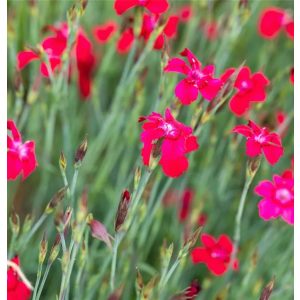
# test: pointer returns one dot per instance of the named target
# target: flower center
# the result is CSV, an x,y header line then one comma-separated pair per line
x,y
246,85
260,138
196,75
143,2
170,130
219,253
284,195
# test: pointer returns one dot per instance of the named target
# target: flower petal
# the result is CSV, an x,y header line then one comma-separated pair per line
x,y
265,188
186,92
268,210
24,58
288,215
157,6
199,255
177,65
122,6
253,148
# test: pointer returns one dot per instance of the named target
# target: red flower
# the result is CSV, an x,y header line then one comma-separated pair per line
x,y
175,138
21,157
53,46
274,19
125,41
210,29
16,288
85,60
185,13
250,88
186,200
292,75
154,6
198,79
215,253
261,140
193,290
278,198
169,31
202,220
105,31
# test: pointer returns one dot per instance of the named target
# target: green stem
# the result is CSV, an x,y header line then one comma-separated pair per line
x,y
73,185
43,280
118,238
38,279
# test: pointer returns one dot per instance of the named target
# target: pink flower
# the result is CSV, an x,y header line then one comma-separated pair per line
x,y
105,31
125,41
21,157
260,140
198,79
53,46
16,288
149,24
274,19
154,6
215,254
86,61
278,198
172,139
250,88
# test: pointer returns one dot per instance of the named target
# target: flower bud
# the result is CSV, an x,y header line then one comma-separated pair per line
x,y
267,291
27,223
122,209
80,152
43,249
139,281
62,162
99,232
82,210
54,250
14,221
253,165
56,199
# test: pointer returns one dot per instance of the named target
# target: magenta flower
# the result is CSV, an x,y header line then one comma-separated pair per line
x,y
198,79
21,157
278,198
154,6
260,140
175,138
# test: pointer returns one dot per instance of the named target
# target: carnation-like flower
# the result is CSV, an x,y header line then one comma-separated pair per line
x,y
125,41
21,157
278,198
168,138
260,140
154,6
16,288
197,80
215,253
250,88
274,19
105,31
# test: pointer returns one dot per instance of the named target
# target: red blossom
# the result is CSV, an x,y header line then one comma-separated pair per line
x,y
21,157
193,290
185,13
292,75
175,138
186,199
16,288
215,254
274,19
154,6
278,198
260,140
250,88
198,79
125,41
210,29
202,220
105,31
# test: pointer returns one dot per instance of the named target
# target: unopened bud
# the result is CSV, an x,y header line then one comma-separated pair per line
x,y
54,250
15,223
80,152
139,280
62,162
122,210
43,249
82,211
267,291
56,199
253,166
99,232
27,223
189,244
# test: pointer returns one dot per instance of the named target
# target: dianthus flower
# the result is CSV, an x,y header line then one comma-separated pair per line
x,y
274,19
198,79
154,6
21,157
104,32
193,290
260,140
249,88
278,198
16,288
215,254
170,138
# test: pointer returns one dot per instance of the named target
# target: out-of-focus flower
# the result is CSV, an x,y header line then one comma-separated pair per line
x,y
274,19
250,88
16,288
278,198
198,79
185,13
193,290
170,138
210,29
53,46
125,41
99,232
21,157
214,253
104,32
149,24
85,60
186,199
202,219
260,140
292,75
154,6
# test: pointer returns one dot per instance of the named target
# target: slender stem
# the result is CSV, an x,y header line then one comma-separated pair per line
x,y
38,278
43,280
63,241
73,185
118,238
12,244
